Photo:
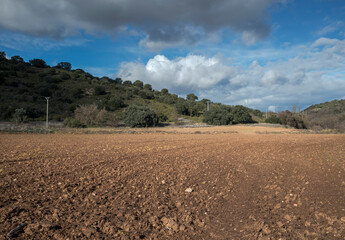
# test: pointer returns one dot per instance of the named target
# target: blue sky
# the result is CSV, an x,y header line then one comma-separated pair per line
x,y
259,53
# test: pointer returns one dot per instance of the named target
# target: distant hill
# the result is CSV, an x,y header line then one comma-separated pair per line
x,y
328,115
24,86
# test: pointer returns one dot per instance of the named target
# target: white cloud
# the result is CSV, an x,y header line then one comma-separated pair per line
x,y
315,74
331,28
192,73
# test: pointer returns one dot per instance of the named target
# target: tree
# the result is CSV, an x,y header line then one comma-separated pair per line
x,y
138,84
140,116
100,90
218,115
118,80
115,103
164,91
17,59
90,115
191,97
2,56
241,114
148,87
258,113
64,65
20,116
273,119
127,83
39,63
291,119
182,107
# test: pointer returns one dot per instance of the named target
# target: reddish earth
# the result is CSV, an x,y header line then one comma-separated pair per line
x,y
207,183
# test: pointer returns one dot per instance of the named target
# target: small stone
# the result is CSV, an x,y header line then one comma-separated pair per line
x,y
170,224
189,190
288,217
280,224
163,181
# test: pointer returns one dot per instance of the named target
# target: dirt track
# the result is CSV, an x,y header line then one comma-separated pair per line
x,y
240,185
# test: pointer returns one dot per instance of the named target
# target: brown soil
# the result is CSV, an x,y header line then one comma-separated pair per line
x,y
208,183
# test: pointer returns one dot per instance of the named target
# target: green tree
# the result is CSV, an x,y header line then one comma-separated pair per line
x,y
138,84
241,114
140,116
191,97
17,59
182,107
115,103
39,63
148,87
164,91
20,116
273,119
100,90
218,115
64,65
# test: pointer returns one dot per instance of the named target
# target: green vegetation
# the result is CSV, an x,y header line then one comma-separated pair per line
x,y
80,99
273,119
140,116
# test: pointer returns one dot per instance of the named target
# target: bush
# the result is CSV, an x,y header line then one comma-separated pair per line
x,y
100,90
115,103
73,123
64,65
140,116
20,116
91,116
182,107
39,63
218,116
64,76
273,119
241,114
291,119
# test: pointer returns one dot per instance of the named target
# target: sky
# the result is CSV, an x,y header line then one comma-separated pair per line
x,y
263,54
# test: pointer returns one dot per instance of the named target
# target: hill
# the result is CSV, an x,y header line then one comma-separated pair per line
x,y
328,115
24,86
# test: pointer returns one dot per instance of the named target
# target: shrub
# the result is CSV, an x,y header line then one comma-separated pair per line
x,y
138,84
64,65
218,116
140,116
73,123
39,63
19,115
100,90
241,114
273,119
115,103
291,119
64,76
182,107
91,116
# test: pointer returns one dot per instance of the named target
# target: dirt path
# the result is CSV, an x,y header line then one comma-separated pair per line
x,y
173,186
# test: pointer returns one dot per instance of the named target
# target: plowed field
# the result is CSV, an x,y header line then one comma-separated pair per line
x,y
208,183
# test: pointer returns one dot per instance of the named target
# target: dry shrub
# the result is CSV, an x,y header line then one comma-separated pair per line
x,y
91,116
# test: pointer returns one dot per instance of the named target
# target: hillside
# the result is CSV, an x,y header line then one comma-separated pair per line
x,y
24,86
328,115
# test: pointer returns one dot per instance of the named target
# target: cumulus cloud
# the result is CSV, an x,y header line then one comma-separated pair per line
x,y
183,75
166,23
315,74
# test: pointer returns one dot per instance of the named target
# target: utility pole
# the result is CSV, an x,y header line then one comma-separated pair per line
x,y
47,121
208,106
